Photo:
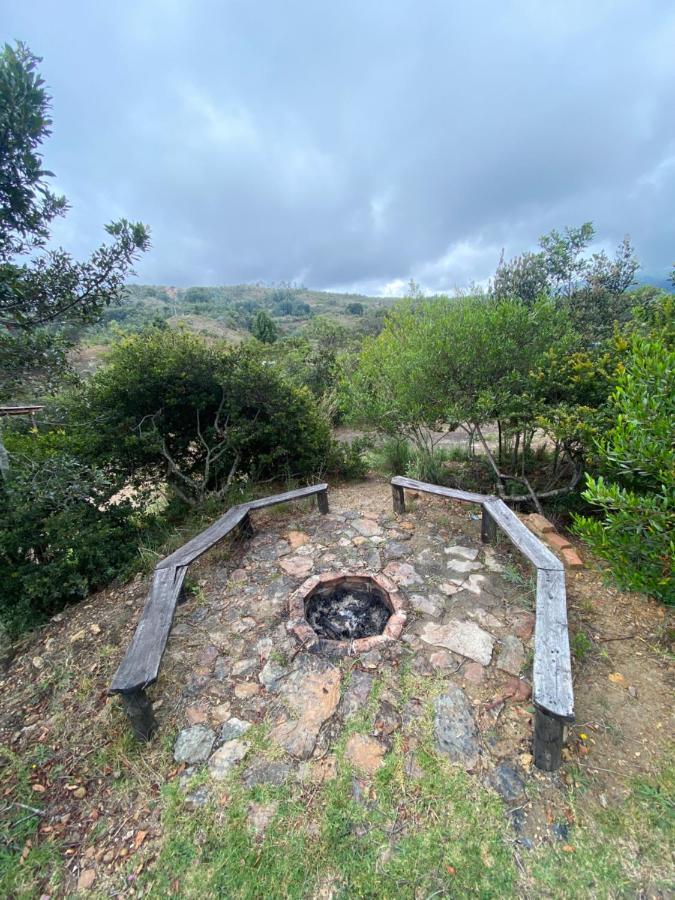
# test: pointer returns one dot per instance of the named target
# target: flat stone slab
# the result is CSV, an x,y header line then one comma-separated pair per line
x,y
194,744
427,605
226,758
365,753
311,692
455,728
511,656
467,553
231,729
366,527
465,638
356,695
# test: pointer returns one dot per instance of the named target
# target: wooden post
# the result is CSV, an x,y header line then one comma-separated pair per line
x,y
322,502
140,713
548,741
399,498
246,526
488,528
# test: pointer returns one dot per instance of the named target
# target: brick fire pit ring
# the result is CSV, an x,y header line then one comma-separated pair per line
x,y
380,587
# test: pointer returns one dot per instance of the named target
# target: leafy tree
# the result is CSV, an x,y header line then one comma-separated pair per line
x,y
264,328
195,295
636,490
592,289
41,288
169,407
355,309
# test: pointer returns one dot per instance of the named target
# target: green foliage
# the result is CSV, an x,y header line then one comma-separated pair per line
x,y
48,287
168,405
60,536
263,328
636,492
395,456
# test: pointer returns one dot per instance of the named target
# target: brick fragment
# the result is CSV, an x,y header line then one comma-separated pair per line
x,y
571,558
540,523
557,541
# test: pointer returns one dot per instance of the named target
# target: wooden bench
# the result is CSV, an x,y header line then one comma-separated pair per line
x,y
552,691
141,662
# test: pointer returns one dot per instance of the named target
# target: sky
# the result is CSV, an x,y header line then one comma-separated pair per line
x,y
357,145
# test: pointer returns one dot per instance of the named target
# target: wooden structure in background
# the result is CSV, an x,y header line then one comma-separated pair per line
x,y
552,691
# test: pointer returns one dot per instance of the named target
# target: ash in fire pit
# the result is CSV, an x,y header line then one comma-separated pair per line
x,y
345,614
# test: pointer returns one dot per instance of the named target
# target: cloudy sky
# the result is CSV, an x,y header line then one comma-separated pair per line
x,y
358,144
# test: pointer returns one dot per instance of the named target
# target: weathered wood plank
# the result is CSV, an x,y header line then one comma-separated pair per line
x,y
548,741
521,536
141,662
206,539
411,484
398,498
297,494
552,669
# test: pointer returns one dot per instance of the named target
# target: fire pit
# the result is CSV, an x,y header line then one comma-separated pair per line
x,y
345,614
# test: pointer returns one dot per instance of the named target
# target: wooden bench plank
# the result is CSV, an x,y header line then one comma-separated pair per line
x,y
411,484
141,662
206,539
552,670
521,536
298,494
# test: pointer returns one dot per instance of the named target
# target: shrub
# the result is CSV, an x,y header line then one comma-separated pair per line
x,y
636,490
396,456
60,538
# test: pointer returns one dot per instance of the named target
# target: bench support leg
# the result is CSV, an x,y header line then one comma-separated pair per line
x,y
322,502
488,528
141,716
548,741
246,526
398,498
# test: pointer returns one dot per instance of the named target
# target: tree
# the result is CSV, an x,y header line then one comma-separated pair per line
x,y
355,309
263,328
42,288
592,289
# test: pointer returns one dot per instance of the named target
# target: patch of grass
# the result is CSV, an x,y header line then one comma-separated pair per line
x,y
623,850
581,645
30,864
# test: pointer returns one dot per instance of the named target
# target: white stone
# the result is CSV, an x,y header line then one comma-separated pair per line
x,y
465,638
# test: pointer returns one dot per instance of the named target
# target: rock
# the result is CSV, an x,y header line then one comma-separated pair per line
x,y
38,663
245,689
318,772
443,660
365,753
507,780
511,656
371,659
474,672
312,692
463,566
194,744
297,566
523,625
198,797
226,758
195,715
86,879
467,553
454,727
297,539
95,628
359,540
271,675
492,564
220,713
232,729
356,695
221,670
366,527
518,689
402,573
78,636
465,638
450,588
426,605
395,550
260,815
387,720
484,618
266,772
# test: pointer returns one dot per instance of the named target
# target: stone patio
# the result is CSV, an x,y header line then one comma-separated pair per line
x,y
254,700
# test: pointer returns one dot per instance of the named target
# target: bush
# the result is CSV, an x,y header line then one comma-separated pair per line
x,y
636,490
169,407
396,456
60,538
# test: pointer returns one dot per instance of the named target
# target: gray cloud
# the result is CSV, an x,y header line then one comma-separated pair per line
x,y
358,144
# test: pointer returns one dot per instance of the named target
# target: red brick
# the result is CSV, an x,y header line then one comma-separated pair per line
x,y
540,523
571,558
557,541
